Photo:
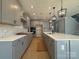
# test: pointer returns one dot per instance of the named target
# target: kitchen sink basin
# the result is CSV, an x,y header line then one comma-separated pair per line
x,y
21,33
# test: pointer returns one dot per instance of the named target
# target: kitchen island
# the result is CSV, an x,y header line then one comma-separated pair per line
x,y
13,46
62,46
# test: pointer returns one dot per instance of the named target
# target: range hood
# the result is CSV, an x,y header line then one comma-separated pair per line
x,y
76,17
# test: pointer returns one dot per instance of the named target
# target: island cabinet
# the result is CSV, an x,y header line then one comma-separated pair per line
x,y
64,47
50,44
18,48
67,49
14,47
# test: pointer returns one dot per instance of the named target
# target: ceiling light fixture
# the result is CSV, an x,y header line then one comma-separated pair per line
x,y
49,8
32,6
62,12
34,13
54,18
14,6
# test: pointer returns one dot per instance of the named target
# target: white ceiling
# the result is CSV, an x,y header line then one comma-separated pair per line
x,y
41,7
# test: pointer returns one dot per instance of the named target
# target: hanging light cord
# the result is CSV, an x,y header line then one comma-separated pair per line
x,y
53,10
61,4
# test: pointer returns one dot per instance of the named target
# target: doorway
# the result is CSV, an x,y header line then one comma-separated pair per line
x,y
39,30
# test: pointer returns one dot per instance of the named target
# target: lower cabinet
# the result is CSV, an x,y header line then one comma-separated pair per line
x,y
67,49
74,49
62,49
19,46
14,49
50,46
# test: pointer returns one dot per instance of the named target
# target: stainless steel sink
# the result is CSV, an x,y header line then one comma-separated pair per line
x,y
49,33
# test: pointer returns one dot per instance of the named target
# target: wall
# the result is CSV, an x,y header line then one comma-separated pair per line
x,y
71,26
9,13
61,25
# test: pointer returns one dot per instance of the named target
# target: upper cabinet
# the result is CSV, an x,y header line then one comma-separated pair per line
x,y
11,12
0,10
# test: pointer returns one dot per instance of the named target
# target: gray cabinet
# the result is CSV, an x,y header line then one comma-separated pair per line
x,y
50,46
62,49
10,14
67,49
14,49
5,50
19,46
0,10
74,49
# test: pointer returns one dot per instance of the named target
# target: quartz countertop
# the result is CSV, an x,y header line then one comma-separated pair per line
x,y
61,36
11,38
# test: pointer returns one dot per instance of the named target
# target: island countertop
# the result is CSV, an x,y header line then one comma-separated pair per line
x,y
61,36
11,38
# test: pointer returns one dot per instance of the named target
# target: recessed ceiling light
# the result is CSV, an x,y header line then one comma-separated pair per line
x,y
32,6
34,13
14,6
49,8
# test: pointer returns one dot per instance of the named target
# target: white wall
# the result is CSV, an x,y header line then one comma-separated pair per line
x,y
71,26
10,14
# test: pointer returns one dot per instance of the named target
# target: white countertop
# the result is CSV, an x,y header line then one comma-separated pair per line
x,y
61,36
11,38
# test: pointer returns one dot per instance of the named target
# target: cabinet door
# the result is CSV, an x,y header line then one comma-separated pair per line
x,y
20,46
5,50
61,50
52,49
0,10
74,49
20,50
15,50
7,11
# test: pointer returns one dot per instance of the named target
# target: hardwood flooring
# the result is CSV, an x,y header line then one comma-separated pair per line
x,y
37,50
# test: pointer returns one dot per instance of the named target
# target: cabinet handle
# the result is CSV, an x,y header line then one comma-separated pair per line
x,y
22,43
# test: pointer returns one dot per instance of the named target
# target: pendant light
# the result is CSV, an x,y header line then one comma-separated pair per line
x,y
62,12
54,18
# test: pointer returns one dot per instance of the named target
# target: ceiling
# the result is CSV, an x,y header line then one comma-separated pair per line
x,y
39,9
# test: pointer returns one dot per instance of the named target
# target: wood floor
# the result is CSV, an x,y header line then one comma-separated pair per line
x,y
37,50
